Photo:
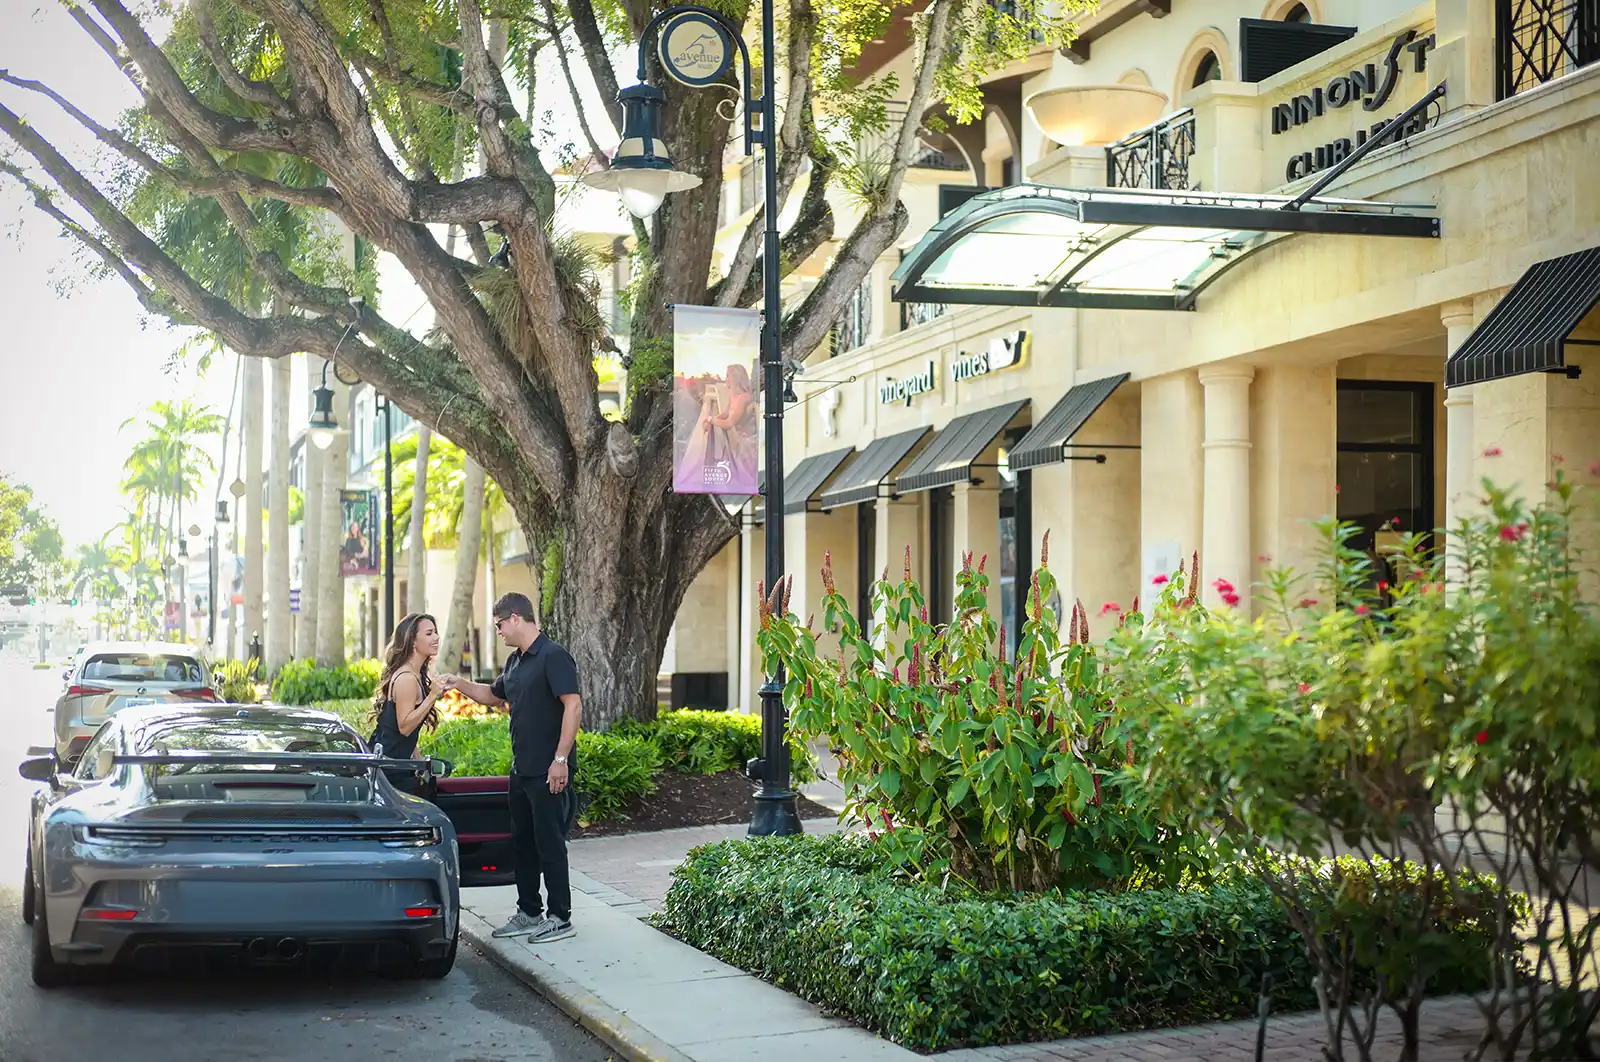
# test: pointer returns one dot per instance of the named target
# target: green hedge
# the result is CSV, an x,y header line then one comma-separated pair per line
x,y
709,742
355,711
820,917
302,682
611,767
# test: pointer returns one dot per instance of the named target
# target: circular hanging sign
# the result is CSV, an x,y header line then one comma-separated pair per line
x,y
695,49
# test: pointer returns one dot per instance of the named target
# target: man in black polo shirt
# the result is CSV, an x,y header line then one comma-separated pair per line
x,y
540,684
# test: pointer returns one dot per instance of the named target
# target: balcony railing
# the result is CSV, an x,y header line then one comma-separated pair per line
x,y
1157,156
1537,41
917,313
878,146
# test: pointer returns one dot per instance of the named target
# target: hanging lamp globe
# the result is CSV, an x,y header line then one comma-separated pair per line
x,y
641,170
323,422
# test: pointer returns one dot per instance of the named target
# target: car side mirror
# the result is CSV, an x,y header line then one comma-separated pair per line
x,y
38,768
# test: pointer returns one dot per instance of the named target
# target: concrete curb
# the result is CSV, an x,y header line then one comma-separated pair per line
x,y
630,1040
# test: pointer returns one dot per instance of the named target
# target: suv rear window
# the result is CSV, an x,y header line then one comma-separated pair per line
x,y
143,667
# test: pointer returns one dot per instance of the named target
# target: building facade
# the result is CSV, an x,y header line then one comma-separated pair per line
x,y
1115,325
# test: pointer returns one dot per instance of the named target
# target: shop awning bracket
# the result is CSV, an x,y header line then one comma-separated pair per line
x,y
1367,147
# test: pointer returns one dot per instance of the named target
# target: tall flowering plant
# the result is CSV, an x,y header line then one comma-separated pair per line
x,y
1005,772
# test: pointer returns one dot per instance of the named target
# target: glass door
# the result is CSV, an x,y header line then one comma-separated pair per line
x,y
1385,466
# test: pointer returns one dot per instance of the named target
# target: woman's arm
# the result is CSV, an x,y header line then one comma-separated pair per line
x,y
410,709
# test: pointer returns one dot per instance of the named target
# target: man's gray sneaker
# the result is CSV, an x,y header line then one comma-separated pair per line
x,y
520,925
551,929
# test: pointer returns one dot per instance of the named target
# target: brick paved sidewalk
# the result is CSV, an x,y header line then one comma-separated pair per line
x,y
639,867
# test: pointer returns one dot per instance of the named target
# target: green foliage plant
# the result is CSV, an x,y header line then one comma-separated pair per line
x,y
302,682
710,742
236,681
1005,773
829,919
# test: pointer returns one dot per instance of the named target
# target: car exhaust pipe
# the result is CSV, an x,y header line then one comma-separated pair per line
x,y
288,949
258,949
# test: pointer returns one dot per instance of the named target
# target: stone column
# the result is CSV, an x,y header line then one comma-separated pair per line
x,y
1171,475
254,401
305,631
1464,55
1461,451
330,585
899,524
277,639
1225,538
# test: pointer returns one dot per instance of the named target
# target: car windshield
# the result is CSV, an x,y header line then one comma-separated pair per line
x,y
142,667
246,735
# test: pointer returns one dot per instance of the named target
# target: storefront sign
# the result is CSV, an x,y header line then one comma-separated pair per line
x,y
1372,85
908,387
1003,353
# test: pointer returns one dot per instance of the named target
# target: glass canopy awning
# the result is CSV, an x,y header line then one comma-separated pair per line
x,y
1119,248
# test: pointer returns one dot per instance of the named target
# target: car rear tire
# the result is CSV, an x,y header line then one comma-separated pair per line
x,y
47,973
437,969
28,892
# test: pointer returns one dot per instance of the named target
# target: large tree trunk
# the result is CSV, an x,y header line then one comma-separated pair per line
x,y
458,624
416,539
278,523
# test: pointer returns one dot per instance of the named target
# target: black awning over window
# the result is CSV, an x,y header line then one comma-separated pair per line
x,y
801,485
1528,329
861,478
1046,443
948,459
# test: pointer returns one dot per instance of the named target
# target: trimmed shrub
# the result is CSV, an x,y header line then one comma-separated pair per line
x,y
611,767
709,742
302,682
824,918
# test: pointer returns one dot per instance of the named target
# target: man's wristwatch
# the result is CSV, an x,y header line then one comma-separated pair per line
x,y
561,760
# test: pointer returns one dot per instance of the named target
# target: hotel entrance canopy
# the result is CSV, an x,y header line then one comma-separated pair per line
x,y
1119,248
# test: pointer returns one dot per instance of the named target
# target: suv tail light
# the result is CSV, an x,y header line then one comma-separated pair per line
x,y
201,693
86,691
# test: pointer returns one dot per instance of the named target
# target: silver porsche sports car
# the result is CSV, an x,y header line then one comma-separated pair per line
x,y
261,835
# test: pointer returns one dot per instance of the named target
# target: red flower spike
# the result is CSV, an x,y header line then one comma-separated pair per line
x,y
1066,813
1072,629
1135,603
1096,801
1230,598
981,562
809,620
1002,645
924,613
1017,698
827,571
888,823
1362,610
1308,602
1038,599
897,674
1044,551
1483,737
916,664
1128,754
908,563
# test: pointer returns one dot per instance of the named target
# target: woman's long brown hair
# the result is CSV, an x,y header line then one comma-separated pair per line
x,y
401,645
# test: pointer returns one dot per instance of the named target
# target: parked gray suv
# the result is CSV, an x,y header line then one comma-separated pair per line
x,y
110,676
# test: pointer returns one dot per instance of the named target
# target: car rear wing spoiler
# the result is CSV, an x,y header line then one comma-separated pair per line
x,y
359,760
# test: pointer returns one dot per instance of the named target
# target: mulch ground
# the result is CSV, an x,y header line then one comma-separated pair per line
x,y
683,799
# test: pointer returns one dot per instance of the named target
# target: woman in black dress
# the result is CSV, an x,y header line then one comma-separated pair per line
x,y
404,702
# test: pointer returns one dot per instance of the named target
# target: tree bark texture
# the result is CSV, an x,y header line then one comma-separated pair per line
x,y
458,625
305,642
416,537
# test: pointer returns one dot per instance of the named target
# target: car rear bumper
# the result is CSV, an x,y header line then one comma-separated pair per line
x,y
158,947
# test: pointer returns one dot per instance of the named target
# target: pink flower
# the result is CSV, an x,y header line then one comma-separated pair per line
x,y
1230,598
1223,586
1159,580
1493,451
1513,532
1483,737
1336,488
1308,602
1305,687
1110,606
1362,610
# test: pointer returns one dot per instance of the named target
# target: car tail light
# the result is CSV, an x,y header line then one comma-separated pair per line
x,y
87,691
412,837
422,912
203,693
108,914
488,867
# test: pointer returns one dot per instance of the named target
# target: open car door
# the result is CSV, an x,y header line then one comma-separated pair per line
x,y
480,809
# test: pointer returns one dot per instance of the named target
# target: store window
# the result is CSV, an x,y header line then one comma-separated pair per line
x,y
941,554
1385,465
1208,69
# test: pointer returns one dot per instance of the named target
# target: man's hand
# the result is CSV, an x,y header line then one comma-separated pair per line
x,y
449,682
557,777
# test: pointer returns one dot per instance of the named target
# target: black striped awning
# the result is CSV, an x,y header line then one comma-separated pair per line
x,y
1046,443
1528,329
801,485
948,459
861,478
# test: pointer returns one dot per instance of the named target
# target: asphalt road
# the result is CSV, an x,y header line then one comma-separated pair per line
x,y
477,1014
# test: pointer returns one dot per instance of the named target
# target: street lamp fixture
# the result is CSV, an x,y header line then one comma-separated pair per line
x,y
696,47
323,421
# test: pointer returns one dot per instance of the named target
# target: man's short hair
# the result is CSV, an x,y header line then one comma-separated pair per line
x,y
515,605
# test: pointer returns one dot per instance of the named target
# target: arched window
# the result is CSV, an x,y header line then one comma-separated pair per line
x,y
1208,69
1297,13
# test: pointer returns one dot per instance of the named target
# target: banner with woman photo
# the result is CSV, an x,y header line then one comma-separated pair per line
x,y
716,441
358,547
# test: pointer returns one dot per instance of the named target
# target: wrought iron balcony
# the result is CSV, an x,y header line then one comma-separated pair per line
x,y
1537,41
1157,156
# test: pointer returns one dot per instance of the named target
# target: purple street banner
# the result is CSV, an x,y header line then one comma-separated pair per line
x,y
358,550
715,424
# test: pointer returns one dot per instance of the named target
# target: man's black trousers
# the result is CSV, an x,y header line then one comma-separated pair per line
x,y
540,821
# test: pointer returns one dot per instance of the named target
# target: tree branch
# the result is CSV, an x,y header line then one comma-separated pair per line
x,y
261,93
595,54
572,90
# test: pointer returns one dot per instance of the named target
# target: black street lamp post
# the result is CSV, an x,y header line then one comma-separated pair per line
x,y
642,174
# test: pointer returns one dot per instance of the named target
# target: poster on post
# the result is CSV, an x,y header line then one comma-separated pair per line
x,y
358,551
716,441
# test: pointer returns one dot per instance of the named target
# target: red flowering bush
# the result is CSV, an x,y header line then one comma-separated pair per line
x,y
1007,773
